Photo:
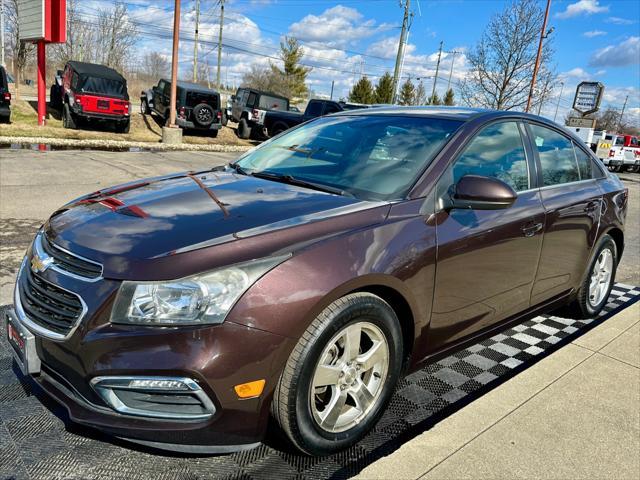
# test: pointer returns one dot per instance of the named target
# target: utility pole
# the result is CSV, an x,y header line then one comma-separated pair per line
x,y
2,32
543,35
401,45
435,80
220,44
174,63
558,103
195,44
453,59
332,84
622,113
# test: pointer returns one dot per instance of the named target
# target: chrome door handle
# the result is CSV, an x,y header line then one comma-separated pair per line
x,y
530,229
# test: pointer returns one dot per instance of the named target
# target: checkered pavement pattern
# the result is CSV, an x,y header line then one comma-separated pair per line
x,y
37,441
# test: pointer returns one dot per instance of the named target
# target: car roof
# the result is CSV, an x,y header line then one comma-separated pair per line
x,y
96,70
193,86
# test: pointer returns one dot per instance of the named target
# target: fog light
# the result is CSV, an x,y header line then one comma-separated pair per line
x,y
158,384
250,389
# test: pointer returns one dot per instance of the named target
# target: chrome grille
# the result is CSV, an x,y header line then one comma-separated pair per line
x,y
48,306
68,262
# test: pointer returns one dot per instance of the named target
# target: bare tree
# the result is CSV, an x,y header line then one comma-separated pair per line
x,y
22,53
266,79
154,66
502,62
116,36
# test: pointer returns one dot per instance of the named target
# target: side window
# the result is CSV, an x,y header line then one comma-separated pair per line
x,y
74,80
251,101
497,151
556,157
634,142
584,163
167,89
619,142
314,109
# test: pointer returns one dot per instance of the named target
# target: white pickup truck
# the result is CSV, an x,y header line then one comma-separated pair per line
x,y
619,152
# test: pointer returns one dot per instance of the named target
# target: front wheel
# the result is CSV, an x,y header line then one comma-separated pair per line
x,y
68,120
595,289
244,130
340,375
614,168
144,107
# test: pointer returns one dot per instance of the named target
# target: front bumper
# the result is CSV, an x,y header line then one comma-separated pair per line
x,y
216,358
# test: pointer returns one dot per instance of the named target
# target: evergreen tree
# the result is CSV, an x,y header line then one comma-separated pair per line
x,y
435,100
294,75
448,98
362,91
420,95
384,89
407,93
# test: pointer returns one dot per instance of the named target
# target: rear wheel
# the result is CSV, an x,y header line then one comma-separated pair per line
x,y
224,120
68,120
340,375
244,130
594,291
633,169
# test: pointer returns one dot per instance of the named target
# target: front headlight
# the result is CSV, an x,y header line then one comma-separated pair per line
x,y
201,299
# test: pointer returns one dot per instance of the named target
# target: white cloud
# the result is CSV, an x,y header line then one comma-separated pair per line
x,y
594,33
582,7
620,21
625,53
338,26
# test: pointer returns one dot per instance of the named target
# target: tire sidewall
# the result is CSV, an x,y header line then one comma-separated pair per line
x,y
605,242
377,312
197,109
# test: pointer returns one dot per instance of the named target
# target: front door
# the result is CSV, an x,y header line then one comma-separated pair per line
x,y
487,259
572,200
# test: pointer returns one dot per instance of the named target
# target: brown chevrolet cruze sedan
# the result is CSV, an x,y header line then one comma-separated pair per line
x,y
302,280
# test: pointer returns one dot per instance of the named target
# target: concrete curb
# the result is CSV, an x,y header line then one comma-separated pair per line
x,y
118,145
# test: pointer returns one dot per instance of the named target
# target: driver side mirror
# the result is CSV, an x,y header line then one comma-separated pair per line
x,y
481,193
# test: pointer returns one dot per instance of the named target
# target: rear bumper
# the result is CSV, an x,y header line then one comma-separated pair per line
x,y
100,116
181,122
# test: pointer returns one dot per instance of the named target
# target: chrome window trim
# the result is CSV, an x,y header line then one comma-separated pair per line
x,y
39,249
34,327
557,185
106,393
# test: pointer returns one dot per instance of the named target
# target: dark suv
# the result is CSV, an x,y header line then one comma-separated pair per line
x,y
94,93
197,107
249,107
5,96
302,280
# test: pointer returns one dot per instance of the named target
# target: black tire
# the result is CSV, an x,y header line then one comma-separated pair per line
x,y
55,97
614,168
68,120
224,120
633,168
244,130
582,307
144,107
123,127
291,405
5,118
203,115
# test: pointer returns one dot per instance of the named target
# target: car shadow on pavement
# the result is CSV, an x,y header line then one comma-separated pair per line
x,y
52,112
47,443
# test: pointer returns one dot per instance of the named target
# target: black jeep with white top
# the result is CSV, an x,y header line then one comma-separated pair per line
x,y
197,107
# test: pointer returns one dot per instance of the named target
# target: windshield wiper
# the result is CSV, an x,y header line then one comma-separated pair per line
x,y
301,183
238,168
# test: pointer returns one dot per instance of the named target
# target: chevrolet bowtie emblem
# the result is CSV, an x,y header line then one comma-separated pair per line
x,y
38,264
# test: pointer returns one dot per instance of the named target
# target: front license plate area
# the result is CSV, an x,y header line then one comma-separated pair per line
x,y
23,345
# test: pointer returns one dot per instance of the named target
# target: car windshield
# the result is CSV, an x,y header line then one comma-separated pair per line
x,y
371,157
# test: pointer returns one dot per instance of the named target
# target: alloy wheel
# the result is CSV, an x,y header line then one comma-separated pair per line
x,y
349,378
600,277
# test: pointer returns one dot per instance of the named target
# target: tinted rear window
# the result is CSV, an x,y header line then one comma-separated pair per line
x,y
105,86
194,98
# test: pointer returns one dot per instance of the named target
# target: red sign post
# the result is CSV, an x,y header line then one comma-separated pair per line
x,y
42,22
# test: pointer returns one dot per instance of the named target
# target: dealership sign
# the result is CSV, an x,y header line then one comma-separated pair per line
x,y
579,122
588,97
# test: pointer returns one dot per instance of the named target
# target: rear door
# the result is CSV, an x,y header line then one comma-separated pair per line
x,y
487,259
572,201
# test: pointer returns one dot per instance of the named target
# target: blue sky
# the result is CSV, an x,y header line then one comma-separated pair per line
x,y
596,40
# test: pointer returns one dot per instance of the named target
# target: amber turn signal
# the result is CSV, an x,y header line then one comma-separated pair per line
x,y
250,389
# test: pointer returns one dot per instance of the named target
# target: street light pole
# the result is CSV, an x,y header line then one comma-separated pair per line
x,y
537,65
558,104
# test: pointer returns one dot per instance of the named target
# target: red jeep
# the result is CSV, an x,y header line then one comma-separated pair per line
x,y
92,92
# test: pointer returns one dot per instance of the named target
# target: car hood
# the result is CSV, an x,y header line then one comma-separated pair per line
x,y
135,228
